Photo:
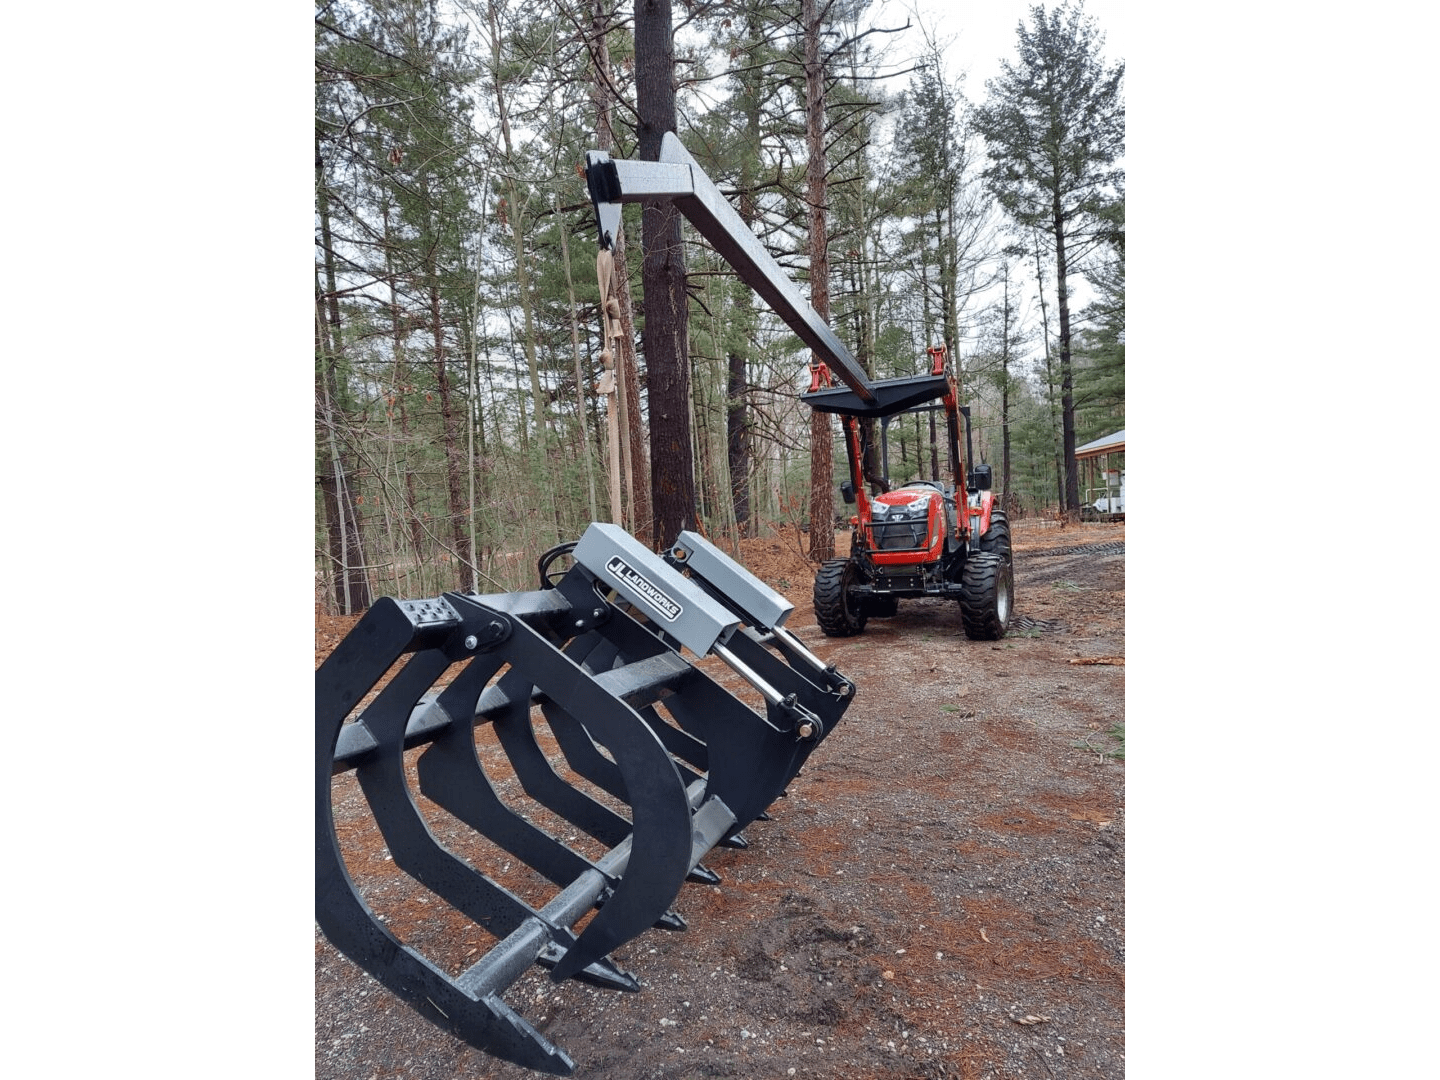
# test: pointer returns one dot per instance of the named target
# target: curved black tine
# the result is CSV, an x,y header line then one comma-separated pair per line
x,y
693,755
598,654
580,751
585,758
452,775
750,761
382,636
660,854
412,845
538,777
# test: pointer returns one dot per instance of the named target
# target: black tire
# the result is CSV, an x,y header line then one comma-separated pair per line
x,y
882,607
997,538
838,614
987,596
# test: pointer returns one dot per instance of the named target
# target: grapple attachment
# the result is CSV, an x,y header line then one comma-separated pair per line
x,y
651,756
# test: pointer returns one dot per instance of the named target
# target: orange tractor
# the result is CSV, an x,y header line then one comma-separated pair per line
x,y
939,537
943,537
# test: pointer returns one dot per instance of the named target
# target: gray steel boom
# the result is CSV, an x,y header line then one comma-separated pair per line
x,y
677,178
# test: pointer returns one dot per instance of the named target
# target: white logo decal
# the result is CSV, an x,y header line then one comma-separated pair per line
x,y
645,589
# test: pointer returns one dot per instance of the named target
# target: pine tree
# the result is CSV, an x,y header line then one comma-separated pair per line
x,y
998,363
1055,125
1100,344
666,329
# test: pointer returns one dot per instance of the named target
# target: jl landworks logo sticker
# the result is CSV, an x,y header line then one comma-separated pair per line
x,y
626,574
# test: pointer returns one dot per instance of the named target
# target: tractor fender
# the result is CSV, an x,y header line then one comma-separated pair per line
x,y
981,504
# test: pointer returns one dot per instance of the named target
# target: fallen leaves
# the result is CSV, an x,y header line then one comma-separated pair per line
x,y
1109,661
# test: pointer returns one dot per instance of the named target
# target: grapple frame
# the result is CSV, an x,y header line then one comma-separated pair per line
x,y
595,652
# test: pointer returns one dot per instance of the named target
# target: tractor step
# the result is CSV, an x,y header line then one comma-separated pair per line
x,y
670,765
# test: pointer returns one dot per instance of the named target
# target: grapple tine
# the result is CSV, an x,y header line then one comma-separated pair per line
x,y
383,635
685,764
582,754
452,775
599,654
538,777
660,827
750,760
584,757
413,847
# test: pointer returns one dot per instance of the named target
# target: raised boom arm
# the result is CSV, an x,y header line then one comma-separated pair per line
x,y
677,178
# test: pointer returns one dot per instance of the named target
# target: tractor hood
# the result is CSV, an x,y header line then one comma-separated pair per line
x,y
907,526
905,502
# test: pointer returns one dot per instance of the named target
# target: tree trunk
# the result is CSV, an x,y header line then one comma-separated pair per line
x,y
1049,377
634,459
666,332
517,234
1005,500
1067,383
396,402
581,432
737,414
454,466
352,587
822,497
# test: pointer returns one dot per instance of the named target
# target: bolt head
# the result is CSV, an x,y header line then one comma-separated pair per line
x,y
471,641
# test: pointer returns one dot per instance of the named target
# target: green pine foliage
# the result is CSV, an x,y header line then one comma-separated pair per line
x,y
459,431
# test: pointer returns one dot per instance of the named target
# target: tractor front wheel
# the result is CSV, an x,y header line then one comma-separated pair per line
x,y
997,538
838,613
987,592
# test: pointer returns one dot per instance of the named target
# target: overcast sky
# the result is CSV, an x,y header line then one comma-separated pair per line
x,y
982,32
978,36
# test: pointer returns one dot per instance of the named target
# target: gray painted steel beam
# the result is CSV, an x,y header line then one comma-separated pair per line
x,y
678,178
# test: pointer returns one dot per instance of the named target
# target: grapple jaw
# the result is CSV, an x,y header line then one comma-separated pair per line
x,y
671,762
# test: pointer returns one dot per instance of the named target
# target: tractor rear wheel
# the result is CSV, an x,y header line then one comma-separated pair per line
x,y
838,613
997,538
987,592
